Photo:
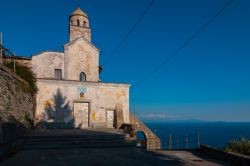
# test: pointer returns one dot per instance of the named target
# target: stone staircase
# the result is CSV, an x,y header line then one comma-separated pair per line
x,y
32,142
152,140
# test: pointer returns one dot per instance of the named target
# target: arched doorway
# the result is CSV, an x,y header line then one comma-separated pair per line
x,y
141,140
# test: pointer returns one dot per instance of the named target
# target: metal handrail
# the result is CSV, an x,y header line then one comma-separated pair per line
x,y
184,141
190,141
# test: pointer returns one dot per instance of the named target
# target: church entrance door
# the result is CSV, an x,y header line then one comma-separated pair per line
x,y
81,115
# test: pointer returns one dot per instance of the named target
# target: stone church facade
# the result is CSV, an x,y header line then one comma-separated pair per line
x,y
69,87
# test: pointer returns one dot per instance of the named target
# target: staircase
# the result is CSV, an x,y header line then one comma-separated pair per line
x,y
152,140
97,140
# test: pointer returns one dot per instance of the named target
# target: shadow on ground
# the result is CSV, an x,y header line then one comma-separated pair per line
x,y
122,156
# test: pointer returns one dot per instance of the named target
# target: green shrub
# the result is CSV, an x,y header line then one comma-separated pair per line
x,y
25,73
26,121
239,146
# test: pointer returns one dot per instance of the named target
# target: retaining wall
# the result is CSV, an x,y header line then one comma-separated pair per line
x,y
16,108
232,158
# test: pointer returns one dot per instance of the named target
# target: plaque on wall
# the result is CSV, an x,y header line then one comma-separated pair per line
x,y
81,92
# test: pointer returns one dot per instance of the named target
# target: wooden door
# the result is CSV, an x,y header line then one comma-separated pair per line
x,y
110,118
81,115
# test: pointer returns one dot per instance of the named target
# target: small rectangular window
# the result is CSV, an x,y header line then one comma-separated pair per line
x,y
58,74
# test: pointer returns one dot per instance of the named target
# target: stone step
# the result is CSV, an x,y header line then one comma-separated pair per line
x,y
76,141
60,145
72,138
72,142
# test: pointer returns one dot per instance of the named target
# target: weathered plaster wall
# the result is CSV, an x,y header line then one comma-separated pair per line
x,y
20,60
82,29
76,32
44,64
102,96
81,56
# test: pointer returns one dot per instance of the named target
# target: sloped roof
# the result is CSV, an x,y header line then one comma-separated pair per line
x,y
79,12
79,39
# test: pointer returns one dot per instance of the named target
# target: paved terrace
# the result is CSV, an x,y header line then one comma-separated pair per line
x,y
122,156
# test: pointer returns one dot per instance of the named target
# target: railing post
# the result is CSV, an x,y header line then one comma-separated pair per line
x,y
170,142
186,140
1,49
155,144
134,118
198,140
14,62
155,132
177,146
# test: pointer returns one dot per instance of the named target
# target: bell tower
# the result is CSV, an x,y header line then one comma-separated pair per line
x,y
79,25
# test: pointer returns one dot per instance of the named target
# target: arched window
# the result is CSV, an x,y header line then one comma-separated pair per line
x,y
82,77
84,24
78,22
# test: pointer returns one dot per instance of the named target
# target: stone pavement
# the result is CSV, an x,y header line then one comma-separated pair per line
x,y
107,157
192,158
120,156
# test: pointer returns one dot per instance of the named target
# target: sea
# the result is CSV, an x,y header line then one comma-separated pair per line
x,y
215,134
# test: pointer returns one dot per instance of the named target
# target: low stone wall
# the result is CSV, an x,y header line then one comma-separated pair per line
x,y
232,158
16,107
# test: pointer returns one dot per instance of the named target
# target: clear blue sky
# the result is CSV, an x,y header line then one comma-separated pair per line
x,y
208,80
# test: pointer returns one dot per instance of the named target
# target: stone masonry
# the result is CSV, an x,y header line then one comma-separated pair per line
x,y
152,140
69,88
16,105
14,101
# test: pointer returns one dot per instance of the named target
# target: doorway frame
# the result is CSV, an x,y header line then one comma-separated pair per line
x,y
106,114
89,110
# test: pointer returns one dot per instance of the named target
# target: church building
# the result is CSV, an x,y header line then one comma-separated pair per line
x,y
69,88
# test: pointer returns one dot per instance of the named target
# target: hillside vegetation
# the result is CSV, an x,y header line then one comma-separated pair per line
x,y
26,74
241,145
